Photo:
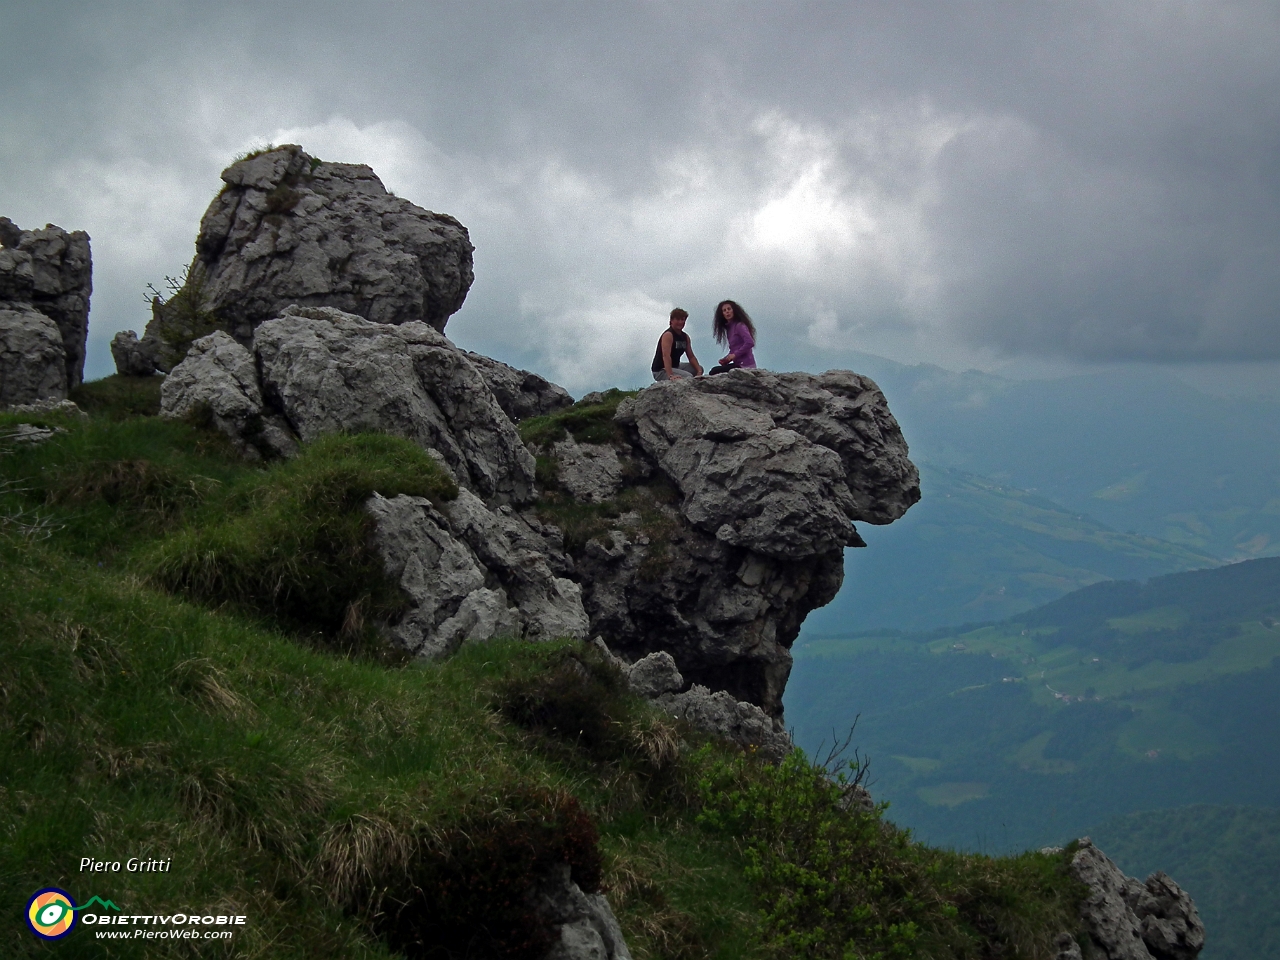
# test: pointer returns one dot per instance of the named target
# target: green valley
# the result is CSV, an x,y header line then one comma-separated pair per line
x,y
1114,698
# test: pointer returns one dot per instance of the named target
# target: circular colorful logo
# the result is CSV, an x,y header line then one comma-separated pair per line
x,y
51,913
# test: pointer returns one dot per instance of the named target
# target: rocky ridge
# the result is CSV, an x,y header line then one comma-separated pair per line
x,y
733,499
46,279
735,527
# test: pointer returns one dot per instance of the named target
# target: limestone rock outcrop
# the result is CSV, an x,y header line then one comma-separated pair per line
x,y
48,272
521,559
744,490
474,568
656,677
727,503
591,472
328,371
443,579
779,463
717,712
131,357
317,370
288,228
1130,920
219,380
587,928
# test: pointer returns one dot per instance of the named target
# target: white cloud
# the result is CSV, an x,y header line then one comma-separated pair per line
x,y
909,183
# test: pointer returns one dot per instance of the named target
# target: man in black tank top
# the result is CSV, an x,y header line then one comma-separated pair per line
x,y
673,345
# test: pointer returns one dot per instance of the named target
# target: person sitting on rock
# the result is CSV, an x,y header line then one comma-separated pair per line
x,y
733,327
672,345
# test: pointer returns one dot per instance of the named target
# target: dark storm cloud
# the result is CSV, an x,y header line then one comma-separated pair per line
x,y
975,181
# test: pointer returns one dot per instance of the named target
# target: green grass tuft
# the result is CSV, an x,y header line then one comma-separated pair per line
x,y
119,397
294,546
585,422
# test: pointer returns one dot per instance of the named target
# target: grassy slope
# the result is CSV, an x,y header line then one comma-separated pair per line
x,y
191,671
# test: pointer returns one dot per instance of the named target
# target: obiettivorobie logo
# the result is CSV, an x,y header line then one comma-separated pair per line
x,y
52,914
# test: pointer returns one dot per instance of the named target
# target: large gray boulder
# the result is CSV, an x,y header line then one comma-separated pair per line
x,y
737,721
131,356
470,573
50,271
288,228
586,926
219,382
32,359
1130,920
441,576
758,435
520,558
590,472
656,677
329,371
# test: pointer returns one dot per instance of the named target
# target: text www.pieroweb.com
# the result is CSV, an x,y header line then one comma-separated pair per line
x,y
178,926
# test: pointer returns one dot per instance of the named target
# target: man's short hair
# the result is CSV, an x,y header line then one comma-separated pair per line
x,y
678,314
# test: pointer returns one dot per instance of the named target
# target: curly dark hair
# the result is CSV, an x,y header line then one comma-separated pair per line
x,y
720,326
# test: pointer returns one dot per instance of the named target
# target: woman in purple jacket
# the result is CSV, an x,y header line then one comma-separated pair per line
x,y
734,328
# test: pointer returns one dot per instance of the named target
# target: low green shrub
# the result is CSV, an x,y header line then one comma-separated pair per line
x,y
833,880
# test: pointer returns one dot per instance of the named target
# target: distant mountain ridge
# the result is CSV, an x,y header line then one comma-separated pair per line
x,y
975,550
1137,449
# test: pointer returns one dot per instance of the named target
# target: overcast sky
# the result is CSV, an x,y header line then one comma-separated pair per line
x,y
1015,186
